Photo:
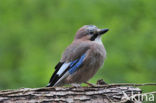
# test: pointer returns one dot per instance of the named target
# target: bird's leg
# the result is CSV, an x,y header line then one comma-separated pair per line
x,y
76,85
90,84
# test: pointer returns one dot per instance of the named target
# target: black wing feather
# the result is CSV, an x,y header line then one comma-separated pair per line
x,y
54,76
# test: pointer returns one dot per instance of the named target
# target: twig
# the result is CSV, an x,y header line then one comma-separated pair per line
x,y
127,84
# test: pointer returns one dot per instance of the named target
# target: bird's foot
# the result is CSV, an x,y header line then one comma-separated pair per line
x,y
90,84
76,85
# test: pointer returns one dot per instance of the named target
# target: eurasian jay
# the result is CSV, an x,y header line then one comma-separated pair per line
x,y
81,60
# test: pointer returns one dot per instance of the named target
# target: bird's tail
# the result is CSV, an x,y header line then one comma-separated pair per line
x,y
49,85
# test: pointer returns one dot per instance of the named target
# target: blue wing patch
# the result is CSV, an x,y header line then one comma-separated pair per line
x,y
64,69
72,63
78,63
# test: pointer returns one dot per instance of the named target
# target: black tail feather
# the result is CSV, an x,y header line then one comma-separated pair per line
x,y
54,77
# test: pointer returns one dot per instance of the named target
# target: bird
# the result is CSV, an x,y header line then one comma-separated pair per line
x,y
81,59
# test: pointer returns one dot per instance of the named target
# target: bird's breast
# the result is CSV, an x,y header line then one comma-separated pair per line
x,y
97,55
94,59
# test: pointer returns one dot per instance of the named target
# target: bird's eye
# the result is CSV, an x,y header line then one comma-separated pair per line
x,y
91,32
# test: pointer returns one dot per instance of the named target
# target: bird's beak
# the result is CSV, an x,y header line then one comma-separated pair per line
x,y
102,31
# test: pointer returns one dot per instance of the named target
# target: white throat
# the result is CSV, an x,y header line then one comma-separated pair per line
x,y
98,40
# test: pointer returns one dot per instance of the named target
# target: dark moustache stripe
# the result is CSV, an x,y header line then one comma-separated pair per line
x,y
94,37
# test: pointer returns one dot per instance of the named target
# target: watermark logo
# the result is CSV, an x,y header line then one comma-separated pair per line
x,y
138,97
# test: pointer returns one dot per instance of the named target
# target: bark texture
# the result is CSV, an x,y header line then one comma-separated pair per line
x,y
96,94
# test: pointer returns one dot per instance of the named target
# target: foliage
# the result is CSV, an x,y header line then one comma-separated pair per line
x,y
34,33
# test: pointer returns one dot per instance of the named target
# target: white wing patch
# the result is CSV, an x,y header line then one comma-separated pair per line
x,y
63,68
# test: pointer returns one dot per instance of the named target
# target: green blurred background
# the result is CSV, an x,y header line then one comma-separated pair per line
x,y
34,34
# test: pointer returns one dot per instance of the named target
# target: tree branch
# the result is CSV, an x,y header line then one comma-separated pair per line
x,y
100,93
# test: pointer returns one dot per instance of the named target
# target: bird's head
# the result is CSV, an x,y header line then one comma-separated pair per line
x,y
90,32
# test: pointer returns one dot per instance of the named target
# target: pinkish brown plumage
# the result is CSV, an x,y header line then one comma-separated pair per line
x,y
82,59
